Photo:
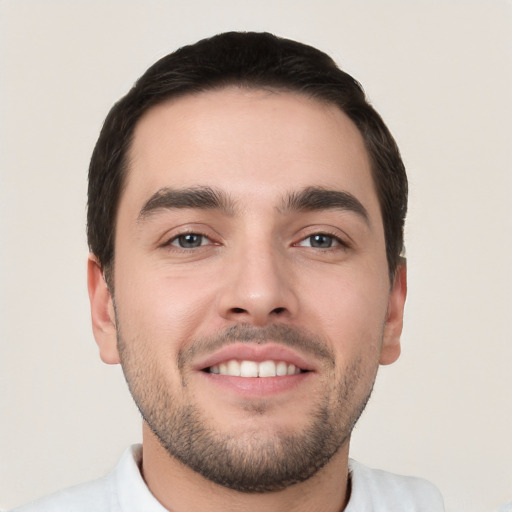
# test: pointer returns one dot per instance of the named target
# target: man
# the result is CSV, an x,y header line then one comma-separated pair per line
x,y
245,222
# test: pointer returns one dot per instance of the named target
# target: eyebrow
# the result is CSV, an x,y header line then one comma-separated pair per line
x,y
203,198
207,198
318,198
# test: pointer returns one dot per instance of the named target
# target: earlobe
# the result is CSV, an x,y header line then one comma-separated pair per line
x,y
395,316
102,312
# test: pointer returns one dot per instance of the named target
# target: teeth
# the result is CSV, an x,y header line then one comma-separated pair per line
x,y
234,368
267,369
281,369
247,369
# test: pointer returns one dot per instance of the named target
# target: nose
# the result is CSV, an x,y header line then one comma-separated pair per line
x,y
258,286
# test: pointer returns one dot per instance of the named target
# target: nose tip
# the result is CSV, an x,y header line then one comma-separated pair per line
x,y
258,292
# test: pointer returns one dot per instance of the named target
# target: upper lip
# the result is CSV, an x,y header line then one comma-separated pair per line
x,y
254,352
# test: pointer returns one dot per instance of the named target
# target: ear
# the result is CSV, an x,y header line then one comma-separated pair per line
x,y
395,316
102,312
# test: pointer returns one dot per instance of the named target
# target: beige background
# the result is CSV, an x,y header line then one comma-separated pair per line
x,y
440,74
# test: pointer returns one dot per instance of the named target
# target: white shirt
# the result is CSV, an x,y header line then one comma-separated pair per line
x,y
124,490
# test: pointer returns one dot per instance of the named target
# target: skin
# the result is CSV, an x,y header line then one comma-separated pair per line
x,y
256,267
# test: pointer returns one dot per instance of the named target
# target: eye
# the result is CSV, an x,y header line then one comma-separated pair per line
x,y
320,241
190,241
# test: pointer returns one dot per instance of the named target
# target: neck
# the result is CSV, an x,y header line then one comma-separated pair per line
x,y
180,489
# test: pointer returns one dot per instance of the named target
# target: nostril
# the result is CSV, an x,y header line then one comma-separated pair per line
x,y
238,310
278,311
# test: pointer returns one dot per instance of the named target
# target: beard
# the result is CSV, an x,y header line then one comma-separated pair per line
x,y
255,460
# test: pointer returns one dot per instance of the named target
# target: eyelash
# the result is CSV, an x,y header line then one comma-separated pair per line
x,y
335,240
174,241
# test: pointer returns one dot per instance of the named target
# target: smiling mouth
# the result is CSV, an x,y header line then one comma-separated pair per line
x,y
247,368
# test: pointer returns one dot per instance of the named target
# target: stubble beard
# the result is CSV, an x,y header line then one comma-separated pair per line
x,y
252,461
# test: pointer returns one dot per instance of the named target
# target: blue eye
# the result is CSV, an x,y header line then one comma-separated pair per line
x,y
320,241
189,240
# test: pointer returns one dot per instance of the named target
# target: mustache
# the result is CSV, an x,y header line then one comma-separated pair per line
x,y
293,337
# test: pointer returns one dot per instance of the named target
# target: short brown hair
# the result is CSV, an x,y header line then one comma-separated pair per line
x,y
245,59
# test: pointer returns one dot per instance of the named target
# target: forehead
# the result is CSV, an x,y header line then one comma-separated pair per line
x,y
255,144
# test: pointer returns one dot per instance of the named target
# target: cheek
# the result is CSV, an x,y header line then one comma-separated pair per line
x,y
163,308
350,310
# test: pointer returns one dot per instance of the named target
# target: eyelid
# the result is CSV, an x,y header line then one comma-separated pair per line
x,y
337,242
173,234
177,237
339,236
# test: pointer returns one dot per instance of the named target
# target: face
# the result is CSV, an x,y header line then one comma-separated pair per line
x,y
252,300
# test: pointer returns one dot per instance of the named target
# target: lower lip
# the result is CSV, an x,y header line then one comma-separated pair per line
x,y
256,386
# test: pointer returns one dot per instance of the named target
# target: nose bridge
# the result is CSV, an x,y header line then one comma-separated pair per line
x,y
258,282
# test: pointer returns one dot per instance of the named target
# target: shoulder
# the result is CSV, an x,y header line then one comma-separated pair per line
x,y
93,495
123,489
381,491
101,495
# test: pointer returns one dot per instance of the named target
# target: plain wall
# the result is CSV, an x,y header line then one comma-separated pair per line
x,y
440,74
